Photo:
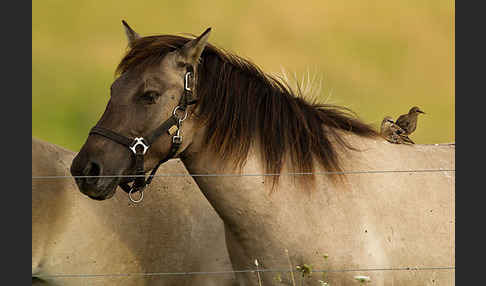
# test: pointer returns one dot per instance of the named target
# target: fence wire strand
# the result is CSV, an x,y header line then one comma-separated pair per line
x,y
253,175
237,271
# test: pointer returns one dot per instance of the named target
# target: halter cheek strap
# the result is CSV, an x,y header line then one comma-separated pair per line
x,y
140,145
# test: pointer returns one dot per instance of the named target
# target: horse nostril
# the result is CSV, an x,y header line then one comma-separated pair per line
x,y
92,170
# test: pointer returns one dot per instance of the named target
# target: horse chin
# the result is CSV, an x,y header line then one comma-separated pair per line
x,y
102,197
100,191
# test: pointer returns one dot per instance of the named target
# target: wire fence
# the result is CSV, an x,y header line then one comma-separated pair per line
x,y
169,274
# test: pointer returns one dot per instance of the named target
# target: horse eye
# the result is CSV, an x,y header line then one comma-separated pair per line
x,y
149,97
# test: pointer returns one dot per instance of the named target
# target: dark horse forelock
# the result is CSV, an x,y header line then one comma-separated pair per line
x,y
240,105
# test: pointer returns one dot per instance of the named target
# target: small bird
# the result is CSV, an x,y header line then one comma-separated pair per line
x,y
393,133
408,122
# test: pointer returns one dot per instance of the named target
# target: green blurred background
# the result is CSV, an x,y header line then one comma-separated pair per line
x,y
377,57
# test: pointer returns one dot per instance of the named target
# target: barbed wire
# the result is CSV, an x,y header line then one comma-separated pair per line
x,y
237,271
251,174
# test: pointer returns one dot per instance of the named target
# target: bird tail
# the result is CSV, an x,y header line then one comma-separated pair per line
x,y
406,140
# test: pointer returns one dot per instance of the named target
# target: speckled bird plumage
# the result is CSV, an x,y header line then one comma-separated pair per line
x,y
393,133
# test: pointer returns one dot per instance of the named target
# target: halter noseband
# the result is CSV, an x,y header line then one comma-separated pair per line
x,y
172,126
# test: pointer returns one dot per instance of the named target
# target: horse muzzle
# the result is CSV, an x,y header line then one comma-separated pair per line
x,y
90,182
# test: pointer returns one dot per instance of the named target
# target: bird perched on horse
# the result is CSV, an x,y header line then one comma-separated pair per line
x,y
393,133
408,122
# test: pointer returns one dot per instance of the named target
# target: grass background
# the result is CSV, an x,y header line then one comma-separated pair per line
x,y
377,57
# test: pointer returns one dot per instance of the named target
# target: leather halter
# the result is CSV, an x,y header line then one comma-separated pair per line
x,y
172,126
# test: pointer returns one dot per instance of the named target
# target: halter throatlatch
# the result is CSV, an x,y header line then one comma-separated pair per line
x,y
140,145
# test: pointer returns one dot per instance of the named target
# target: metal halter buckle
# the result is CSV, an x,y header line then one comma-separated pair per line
x,y
177,138
186,81
139,141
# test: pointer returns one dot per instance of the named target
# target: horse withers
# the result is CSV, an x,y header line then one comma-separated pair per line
x,y
115,242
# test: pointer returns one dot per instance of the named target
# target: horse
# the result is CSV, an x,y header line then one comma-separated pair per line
x,y
298,184
76,241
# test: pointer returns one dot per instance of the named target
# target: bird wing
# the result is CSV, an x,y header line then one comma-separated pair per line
x,y
403,122
396,129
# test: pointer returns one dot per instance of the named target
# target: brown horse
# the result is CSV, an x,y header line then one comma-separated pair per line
x,y
173,230
284,162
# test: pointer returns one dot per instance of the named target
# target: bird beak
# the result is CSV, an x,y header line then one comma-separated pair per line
x,y
420,111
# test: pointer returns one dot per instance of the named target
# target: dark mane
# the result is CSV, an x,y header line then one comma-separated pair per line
x,y
241,105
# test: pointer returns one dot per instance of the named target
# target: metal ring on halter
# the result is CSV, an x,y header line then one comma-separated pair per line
x,y
130,196
175,114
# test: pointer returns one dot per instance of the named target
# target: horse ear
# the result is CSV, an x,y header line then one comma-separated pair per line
x,y
131,34
193,49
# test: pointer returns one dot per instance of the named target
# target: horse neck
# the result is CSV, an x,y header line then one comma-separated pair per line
x,y
231,195
244,200
258,223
